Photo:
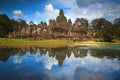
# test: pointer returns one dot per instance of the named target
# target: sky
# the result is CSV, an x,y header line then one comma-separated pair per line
x,y
44,10
88,67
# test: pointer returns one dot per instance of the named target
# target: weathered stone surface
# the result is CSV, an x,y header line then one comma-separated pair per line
x,y
69,24
59,28
61,20
76,24
52,23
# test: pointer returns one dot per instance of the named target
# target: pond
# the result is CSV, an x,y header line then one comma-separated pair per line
x,y
60,63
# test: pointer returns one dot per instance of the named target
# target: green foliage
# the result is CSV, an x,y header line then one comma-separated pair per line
x,y
5,25
117,28
83,22
15,25
106,30
2,31
103,29
107,38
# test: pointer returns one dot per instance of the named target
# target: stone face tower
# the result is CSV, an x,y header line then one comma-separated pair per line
x,y
61,20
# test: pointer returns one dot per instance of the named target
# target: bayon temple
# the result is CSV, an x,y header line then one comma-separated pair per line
x,y
61,28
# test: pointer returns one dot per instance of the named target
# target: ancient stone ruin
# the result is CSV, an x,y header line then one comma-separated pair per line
x,y
61,28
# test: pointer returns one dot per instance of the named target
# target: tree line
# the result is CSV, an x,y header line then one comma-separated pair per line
x,y
102,28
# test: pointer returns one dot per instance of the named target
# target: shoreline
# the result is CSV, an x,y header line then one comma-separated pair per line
x,y
6,42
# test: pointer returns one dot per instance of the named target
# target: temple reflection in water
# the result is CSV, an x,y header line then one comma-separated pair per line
x,y
60,63
60,53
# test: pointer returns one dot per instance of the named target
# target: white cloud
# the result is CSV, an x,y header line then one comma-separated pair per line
x,y
17,59
74,11
91,67
49,7
89,9
50,12
92,11
37,14
48,61
17,13
111,11
87,12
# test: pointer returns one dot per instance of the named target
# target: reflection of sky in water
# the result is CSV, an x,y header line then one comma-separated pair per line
x,y
40,66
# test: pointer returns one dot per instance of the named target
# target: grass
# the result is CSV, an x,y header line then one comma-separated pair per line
x,y
48,43
40,43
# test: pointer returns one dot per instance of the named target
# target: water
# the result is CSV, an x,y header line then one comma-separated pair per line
x,y
61,63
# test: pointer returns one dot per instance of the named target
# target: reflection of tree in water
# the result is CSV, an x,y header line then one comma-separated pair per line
x,y
83,53
110,54
59,52
79,52
5,53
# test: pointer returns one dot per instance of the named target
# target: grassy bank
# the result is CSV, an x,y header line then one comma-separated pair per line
x,y
40,43
48,43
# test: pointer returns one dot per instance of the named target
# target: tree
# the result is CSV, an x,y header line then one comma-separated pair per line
x,y
5,25
15,24
82,23
103,29
117,22
2,31
22,23
117,28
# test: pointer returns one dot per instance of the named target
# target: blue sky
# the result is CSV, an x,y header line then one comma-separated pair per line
x,y
43,10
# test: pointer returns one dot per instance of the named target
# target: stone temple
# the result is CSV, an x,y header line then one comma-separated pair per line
x,y
61,28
